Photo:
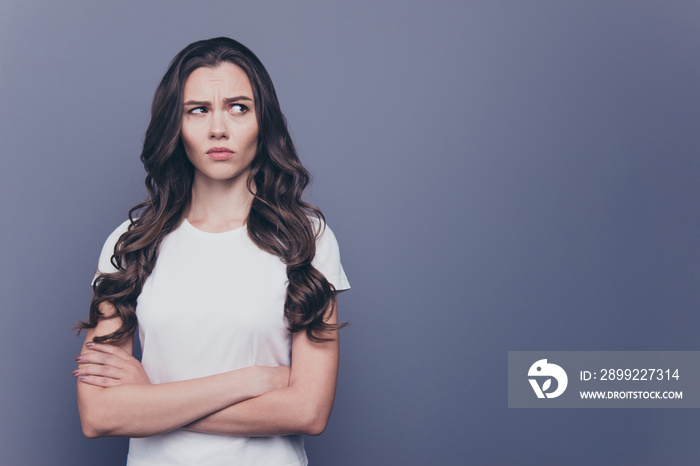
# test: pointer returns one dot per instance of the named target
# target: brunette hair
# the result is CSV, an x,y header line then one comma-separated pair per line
x,y
279,221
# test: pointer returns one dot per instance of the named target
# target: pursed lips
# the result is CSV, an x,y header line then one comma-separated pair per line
x,y
220,153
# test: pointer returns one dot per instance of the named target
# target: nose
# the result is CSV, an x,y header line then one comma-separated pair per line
x,y
218,129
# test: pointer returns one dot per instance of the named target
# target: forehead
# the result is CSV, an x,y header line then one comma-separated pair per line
x,y
223,81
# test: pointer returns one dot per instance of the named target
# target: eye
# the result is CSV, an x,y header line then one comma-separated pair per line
x,y
239,108
197,110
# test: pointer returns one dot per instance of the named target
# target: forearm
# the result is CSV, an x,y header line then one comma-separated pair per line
x,y
287,411
141,410
301,408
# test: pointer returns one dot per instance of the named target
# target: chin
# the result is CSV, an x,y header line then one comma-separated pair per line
x,y
221,175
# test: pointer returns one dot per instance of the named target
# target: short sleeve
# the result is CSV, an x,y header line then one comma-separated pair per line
x,y
104,264
327,259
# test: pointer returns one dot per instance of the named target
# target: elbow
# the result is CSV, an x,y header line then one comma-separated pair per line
x,y
91,433
316,428
311,411
315,424
100,424
93,422
92,429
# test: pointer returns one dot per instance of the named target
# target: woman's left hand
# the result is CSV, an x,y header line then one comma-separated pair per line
x,y
108,366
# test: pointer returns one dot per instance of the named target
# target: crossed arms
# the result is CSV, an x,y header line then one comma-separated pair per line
x,y
115,397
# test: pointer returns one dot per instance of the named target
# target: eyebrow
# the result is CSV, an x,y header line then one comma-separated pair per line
x,y
228,100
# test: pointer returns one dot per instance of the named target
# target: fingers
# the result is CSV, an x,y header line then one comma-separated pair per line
x,y
109,349
96,366
97,370
100,358
98,381
98,375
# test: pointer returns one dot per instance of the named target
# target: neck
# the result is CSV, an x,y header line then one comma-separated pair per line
x,y
219,206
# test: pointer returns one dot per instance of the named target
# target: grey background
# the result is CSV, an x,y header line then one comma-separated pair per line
x,y
500,175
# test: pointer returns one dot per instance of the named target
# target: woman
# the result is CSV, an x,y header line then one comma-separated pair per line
x,y
231,275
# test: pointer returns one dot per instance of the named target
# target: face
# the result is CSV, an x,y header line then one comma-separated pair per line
x,y
219,125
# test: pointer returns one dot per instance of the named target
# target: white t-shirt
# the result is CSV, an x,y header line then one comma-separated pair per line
x,y
215,303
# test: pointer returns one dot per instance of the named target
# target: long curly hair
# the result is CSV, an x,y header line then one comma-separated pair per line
x,y
279,221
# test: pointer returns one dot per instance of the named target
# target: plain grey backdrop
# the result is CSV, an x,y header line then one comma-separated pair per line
x,y
501,175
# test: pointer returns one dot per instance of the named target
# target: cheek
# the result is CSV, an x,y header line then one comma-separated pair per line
x,y
253,137
185,137
188,140
254,140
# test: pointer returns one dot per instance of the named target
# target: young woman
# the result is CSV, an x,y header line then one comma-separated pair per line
x,y
231,277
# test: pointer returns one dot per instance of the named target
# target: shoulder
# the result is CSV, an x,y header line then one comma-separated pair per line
x,y
327,258
120,230
325,239
321,229
105,262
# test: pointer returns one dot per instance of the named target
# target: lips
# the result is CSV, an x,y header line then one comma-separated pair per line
x,y
220,153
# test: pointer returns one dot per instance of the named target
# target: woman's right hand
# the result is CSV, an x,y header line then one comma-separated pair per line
x,y
108,366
